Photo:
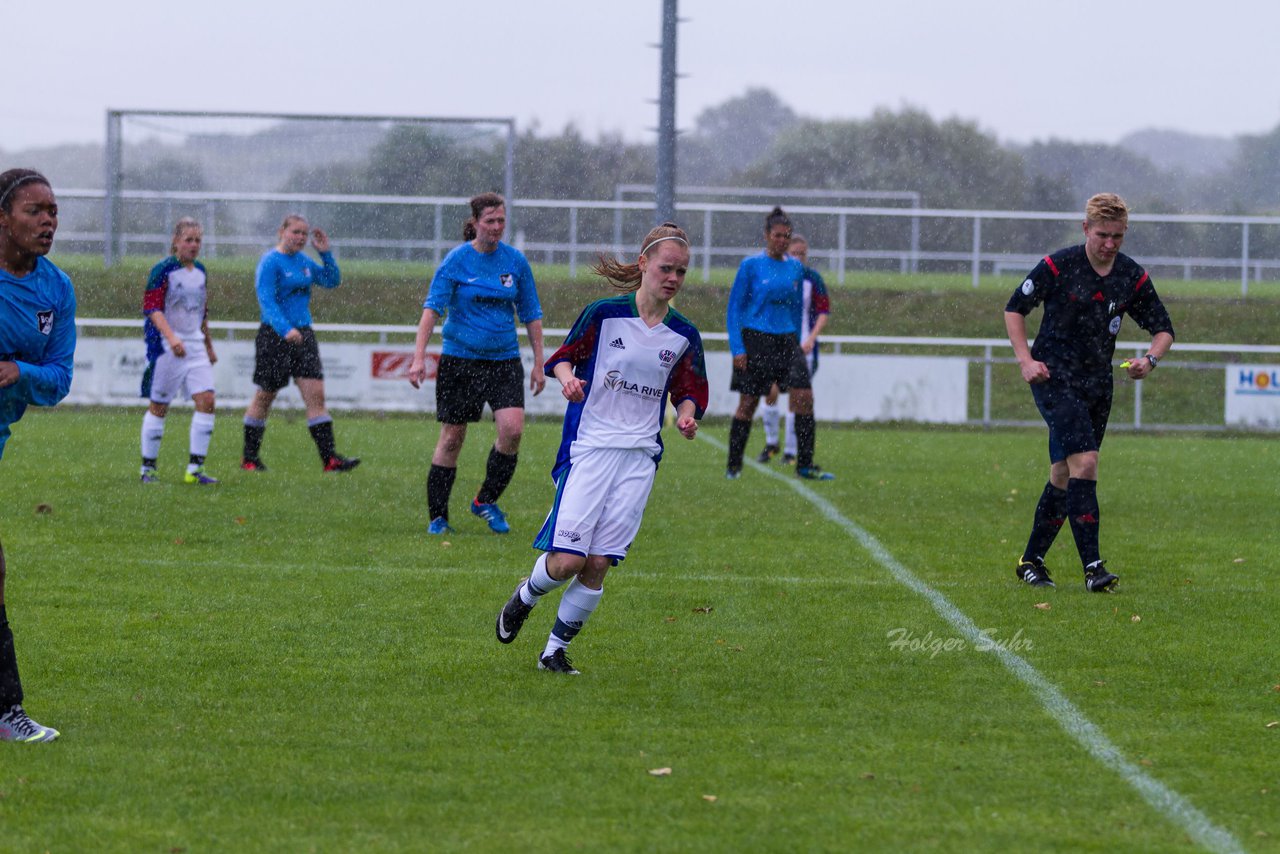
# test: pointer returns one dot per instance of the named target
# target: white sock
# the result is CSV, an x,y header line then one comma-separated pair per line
x,y
791,434
539,583
152,433
201,433
769,414
576,606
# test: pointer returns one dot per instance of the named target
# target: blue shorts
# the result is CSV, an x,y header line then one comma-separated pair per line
x,y
1076,411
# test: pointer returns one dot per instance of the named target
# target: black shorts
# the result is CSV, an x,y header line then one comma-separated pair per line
x,y
276,360
1076,411
771,359
464,386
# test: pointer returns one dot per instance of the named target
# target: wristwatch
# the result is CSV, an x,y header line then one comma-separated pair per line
x,y
1152,359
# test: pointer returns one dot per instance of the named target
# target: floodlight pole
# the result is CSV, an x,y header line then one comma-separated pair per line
x,y
112,244
665,188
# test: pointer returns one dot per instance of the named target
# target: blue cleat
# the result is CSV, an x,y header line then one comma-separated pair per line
x,y
149,475
438,526
813,473
490,513
199,477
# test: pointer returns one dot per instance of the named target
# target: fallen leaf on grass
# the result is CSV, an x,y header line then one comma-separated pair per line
x,y
44,509
1238,560
446,544
1044,606
178,541
240,520
710,798
1147,762
1275,688
704,609
1273,724
669,619
868,776
1135,619
660,772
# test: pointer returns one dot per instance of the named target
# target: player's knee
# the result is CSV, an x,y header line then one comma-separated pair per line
x,y
1083,466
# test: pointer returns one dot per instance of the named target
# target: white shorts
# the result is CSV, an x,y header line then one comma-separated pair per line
x,y
599,503
171,374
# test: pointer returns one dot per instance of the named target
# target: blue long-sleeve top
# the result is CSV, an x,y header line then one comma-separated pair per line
x,y
482,293
767,296
284,287
38,333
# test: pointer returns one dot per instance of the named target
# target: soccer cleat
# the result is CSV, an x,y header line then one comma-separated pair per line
x,y
788,459
16,726
253,464
199,477
438,526
512,616
1098,580
769,452
732,473
813,473
490,513
558,662
340,463
149,475
1034,572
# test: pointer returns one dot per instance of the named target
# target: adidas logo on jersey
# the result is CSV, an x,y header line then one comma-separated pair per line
x,y
617,342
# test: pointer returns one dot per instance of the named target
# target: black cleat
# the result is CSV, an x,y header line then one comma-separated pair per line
x,y
557,662
769,452
1098,580
1034,572
341,463
512,616
253,464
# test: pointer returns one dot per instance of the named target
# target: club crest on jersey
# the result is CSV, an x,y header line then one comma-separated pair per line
x,y
507,280
44,321
1028,286
1114,328
667,357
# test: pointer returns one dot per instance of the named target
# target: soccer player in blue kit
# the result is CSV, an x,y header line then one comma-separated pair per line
x,y
479,288
286,345
764,323
1086,291
621,361
37,346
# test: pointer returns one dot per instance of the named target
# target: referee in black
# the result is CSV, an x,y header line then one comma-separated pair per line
x,y
1086,291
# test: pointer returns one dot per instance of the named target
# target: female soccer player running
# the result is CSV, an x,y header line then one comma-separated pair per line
x,y
624,356
37,346
179,351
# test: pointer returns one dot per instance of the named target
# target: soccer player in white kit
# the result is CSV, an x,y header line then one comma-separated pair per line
x,y
179,351
623,358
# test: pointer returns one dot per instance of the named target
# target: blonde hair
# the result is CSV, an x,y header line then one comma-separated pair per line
x,y
184,224
1106,207
626,277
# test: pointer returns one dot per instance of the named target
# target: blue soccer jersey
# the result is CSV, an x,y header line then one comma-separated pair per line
x,y
629,369
478,294
38,332
766,297
284,287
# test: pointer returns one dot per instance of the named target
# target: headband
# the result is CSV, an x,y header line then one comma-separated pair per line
x,y
660,239
25,179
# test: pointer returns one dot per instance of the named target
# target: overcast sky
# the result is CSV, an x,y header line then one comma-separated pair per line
x,y
1022,69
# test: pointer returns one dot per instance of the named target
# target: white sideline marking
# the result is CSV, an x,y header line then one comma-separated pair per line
x,y
1089,735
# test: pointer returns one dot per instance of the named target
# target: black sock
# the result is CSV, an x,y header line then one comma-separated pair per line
x,y
439,486
10,684
322,435
806,438
253,440
1051,512
1082,509
739,433
196,459
497,475
149,462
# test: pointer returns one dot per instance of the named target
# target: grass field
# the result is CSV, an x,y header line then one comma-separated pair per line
x,y
286,662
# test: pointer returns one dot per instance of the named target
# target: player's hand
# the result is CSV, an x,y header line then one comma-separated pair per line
x,y
740,362
687,425
574,390
8,373
213,357
293,336
417,372
1035,372
537,380
319,240
179,349
807,345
